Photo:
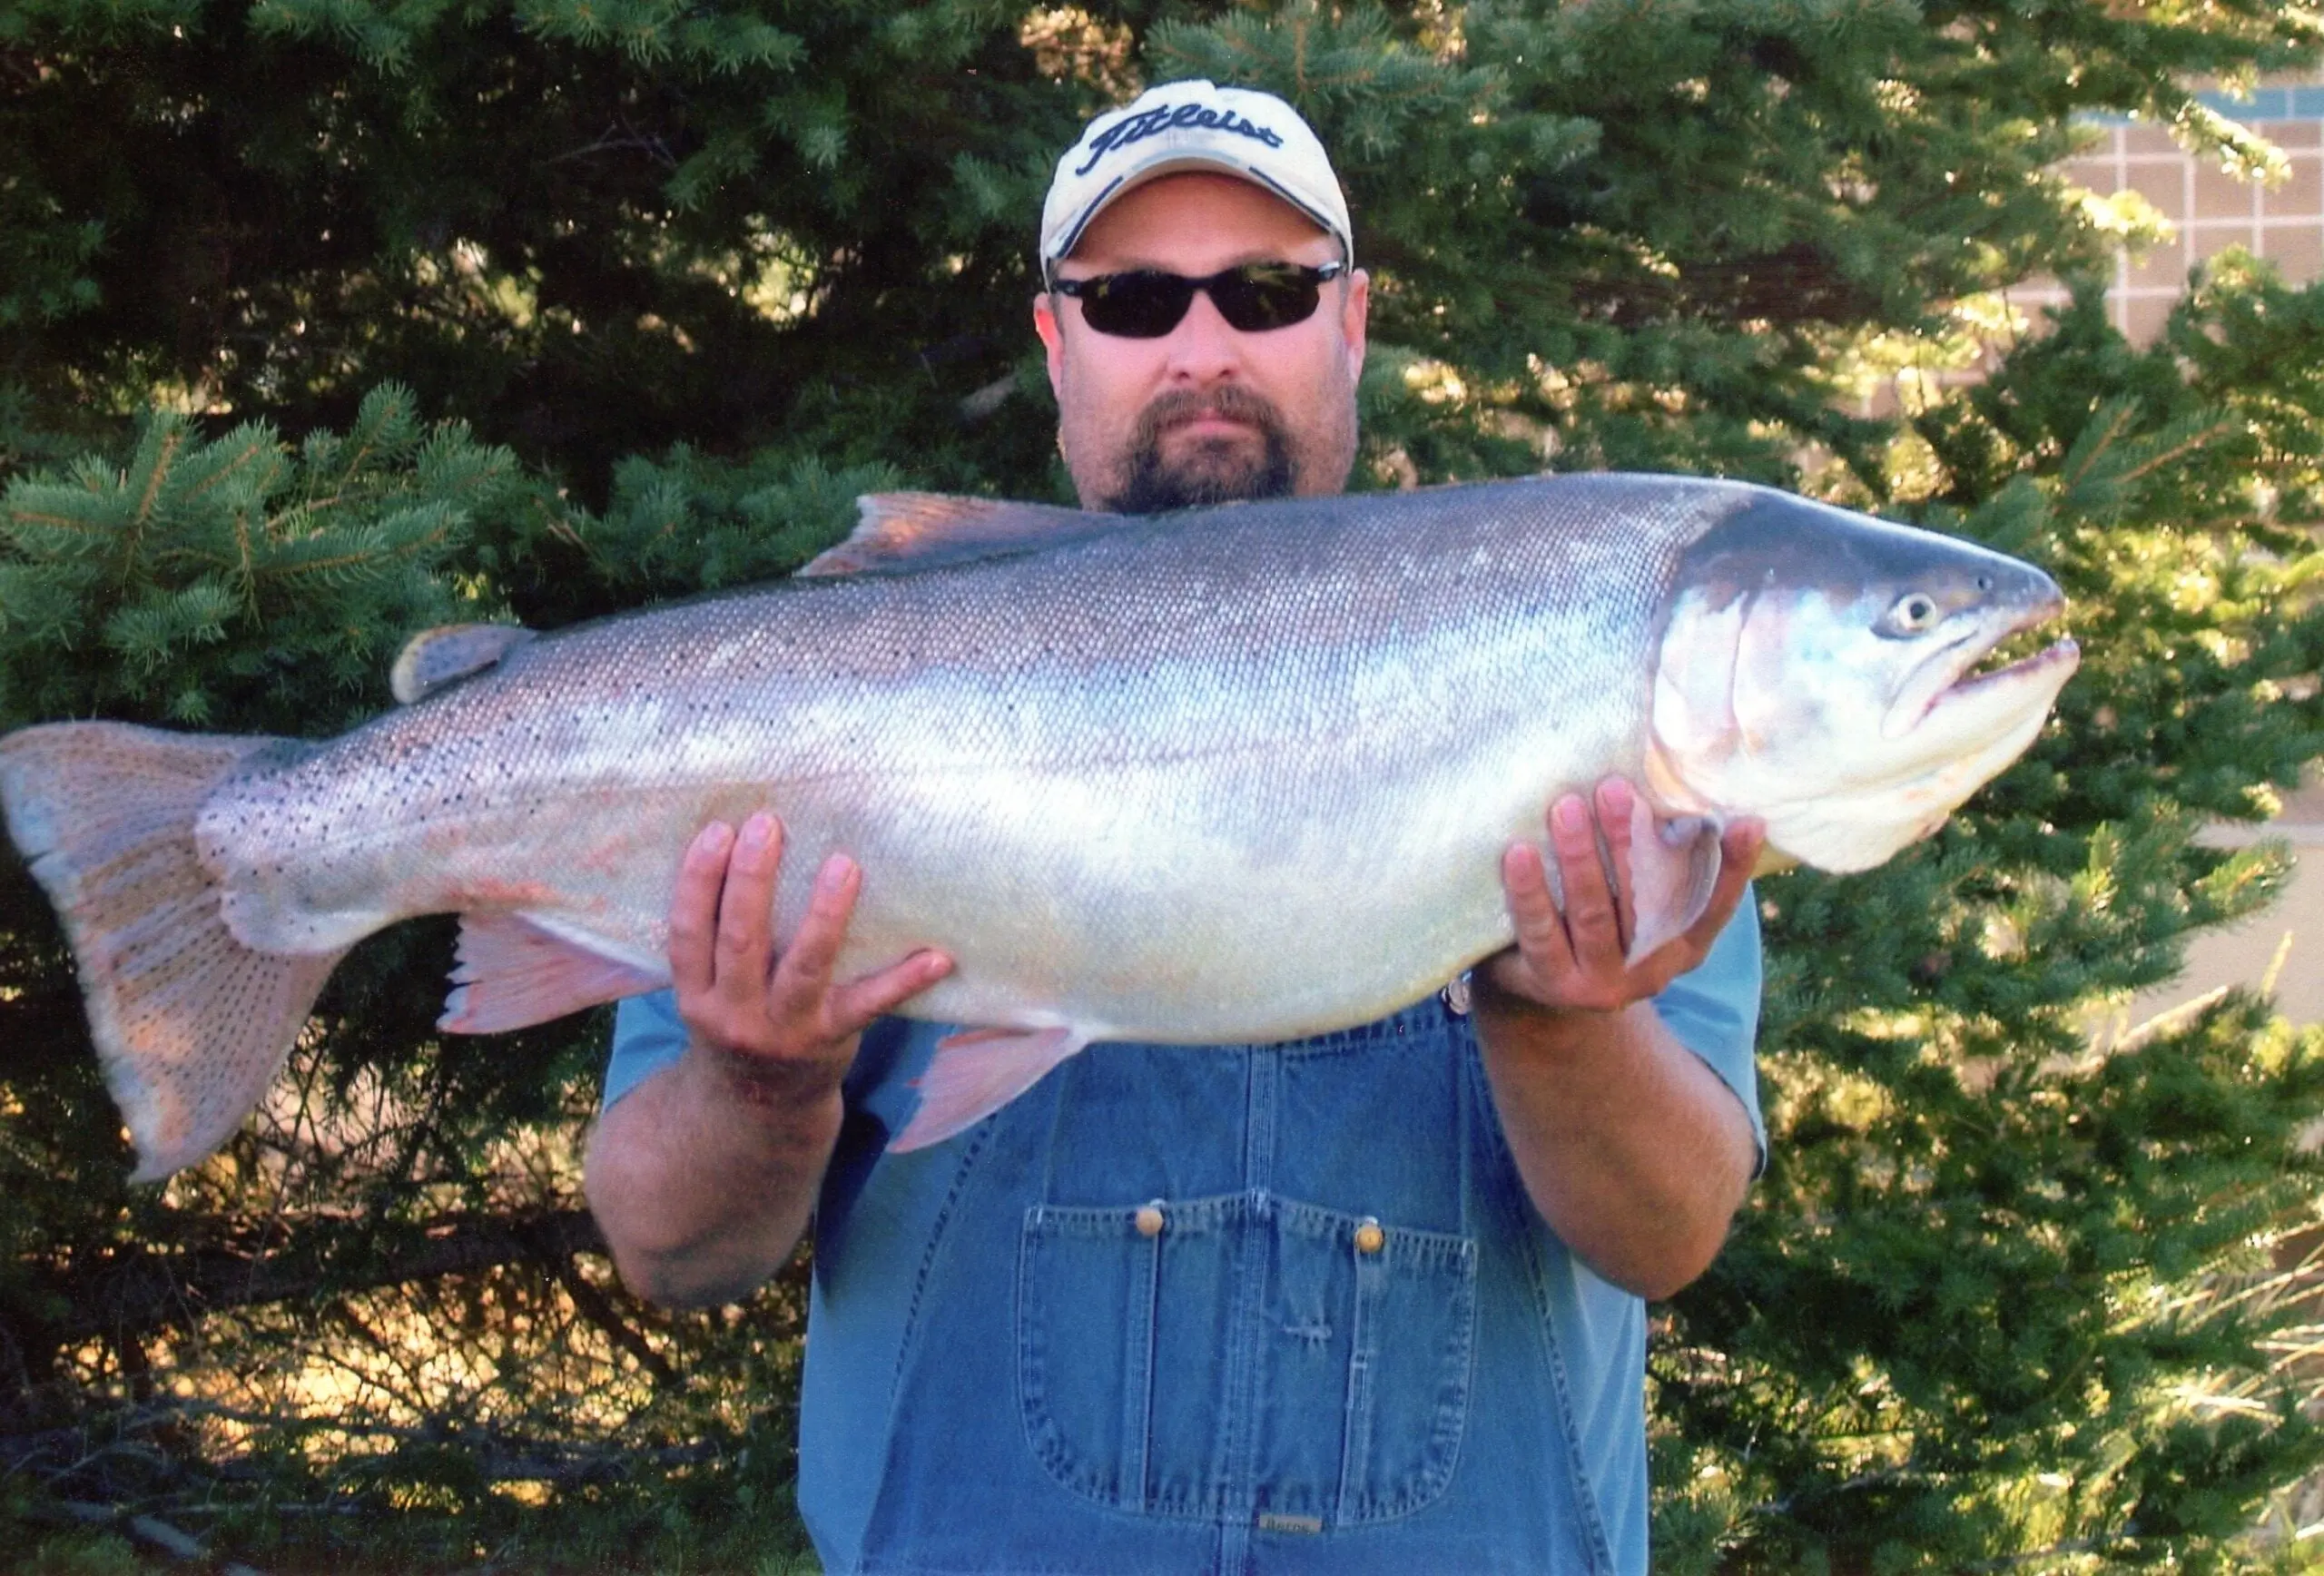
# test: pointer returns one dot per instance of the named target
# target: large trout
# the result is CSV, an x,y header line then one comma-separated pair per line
x,y
1239,774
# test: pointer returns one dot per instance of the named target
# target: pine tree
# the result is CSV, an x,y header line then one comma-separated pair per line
x,y
571,304
1985,1304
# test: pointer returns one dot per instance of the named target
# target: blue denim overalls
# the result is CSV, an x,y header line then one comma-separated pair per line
x,y
1267,1309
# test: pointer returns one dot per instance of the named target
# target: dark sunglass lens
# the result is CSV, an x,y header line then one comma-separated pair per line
x,y
1147,304
1262,296
1137,306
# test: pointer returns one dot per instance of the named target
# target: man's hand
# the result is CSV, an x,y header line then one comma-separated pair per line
x,y
781,1024
705,1175
1576,960
1630,1147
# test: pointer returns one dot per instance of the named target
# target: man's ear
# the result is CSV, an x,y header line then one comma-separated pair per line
x,y
1356,316
1044,324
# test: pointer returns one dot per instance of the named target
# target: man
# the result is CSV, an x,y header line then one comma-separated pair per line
x,y
1364,1302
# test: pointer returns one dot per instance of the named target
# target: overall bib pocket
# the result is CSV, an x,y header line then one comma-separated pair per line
x,y
1245,1354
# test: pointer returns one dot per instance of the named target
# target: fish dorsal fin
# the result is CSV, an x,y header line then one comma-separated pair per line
x,y
449,653
898,533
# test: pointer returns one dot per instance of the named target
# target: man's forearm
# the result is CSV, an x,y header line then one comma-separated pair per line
x,y
1631,1149
704,1177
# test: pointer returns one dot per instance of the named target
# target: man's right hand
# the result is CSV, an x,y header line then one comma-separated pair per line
x,y
704,1173
779,1022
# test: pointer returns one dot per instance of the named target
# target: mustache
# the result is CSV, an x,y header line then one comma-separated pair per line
x,y
1228,399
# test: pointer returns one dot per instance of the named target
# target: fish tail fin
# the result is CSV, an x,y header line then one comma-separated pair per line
x,y
190,1024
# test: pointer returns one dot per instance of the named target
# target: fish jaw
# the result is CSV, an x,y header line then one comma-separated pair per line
x,y
1962,718
1992,720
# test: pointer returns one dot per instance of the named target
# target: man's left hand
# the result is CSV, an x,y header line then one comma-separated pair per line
x,y
1577,961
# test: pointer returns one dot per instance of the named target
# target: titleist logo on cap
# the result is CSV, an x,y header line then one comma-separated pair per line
x,y
1146,124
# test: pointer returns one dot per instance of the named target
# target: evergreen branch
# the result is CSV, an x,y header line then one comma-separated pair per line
x,y
57,522
340,562
172,437
141,1293
245,563
2179,450
598,1309
608,142
358,451
249,443
498,1455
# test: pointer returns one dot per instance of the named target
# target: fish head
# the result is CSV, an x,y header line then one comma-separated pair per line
x,y
1817,669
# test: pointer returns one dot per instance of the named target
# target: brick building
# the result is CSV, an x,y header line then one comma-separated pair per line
x,y
2210,211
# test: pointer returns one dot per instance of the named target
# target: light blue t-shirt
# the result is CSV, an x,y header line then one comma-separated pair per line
x,y
1279,1308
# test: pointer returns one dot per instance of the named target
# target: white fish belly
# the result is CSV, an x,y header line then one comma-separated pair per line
x,y
1121,910
1235,896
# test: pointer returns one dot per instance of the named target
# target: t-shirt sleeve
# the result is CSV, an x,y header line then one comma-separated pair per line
x,y
648,1036
1713,1009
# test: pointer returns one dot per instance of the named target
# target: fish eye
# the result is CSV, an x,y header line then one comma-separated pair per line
x,y
1914,613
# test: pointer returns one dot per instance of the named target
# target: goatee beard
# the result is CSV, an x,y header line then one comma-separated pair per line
x,y
1214,472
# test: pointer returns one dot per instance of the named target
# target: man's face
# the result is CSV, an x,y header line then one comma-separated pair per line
x,y
1206,413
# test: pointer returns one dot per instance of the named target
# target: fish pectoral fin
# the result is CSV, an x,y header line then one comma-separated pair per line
x,y
438,658
901,531
976,1072
1674,868
513,973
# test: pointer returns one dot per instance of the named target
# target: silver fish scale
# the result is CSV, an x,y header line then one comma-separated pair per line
x,y
1243,773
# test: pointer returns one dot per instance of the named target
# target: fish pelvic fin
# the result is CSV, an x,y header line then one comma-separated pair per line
x,y
190,1024
514,972
1674,868
976,1072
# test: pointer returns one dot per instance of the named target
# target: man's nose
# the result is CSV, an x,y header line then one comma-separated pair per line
x,y
1205,347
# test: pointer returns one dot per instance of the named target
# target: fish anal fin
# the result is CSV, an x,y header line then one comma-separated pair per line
x,y
438,658
1674,869
513,973
190,1024
899,532
976,1072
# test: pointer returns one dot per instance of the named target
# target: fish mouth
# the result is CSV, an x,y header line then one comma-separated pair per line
x,y
1946,683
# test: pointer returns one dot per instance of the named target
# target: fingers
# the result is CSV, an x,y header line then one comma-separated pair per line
x,y
804,975
746,946
1592,919
855,1005
801,995
693,907
1618,805
1541,929
1573,955
735,990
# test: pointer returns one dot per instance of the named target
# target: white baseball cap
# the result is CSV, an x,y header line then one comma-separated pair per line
x,y
1192,125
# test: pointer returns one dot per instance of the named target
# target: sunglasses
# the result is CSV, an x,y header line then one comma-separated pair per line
x,y
1146,304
